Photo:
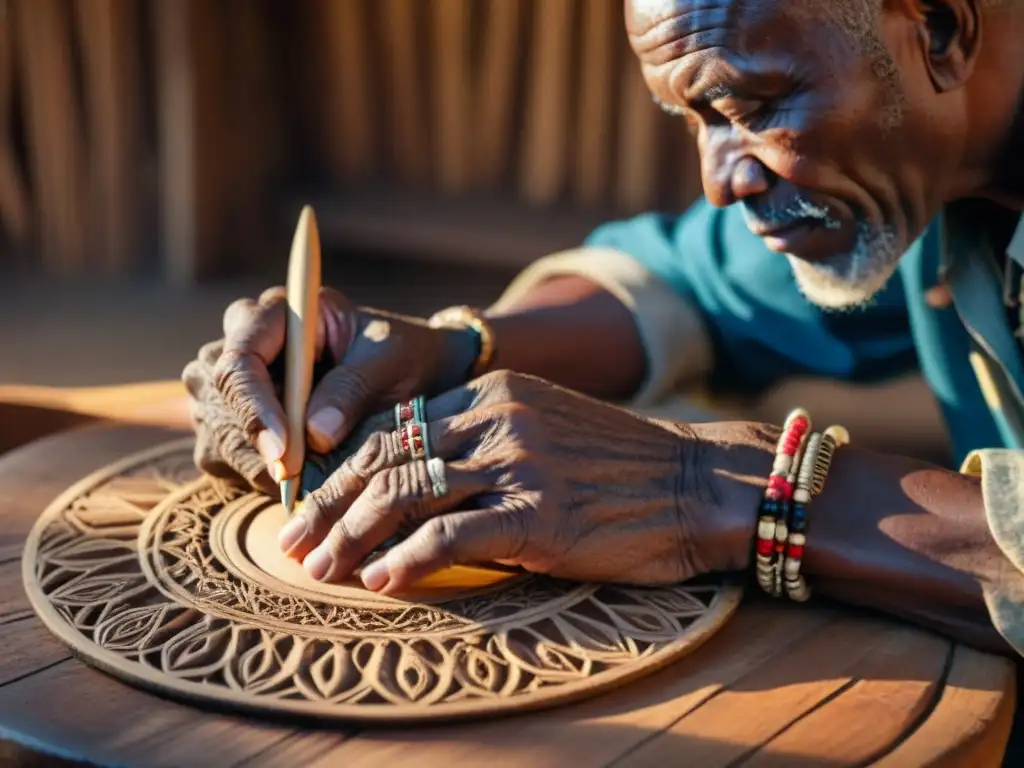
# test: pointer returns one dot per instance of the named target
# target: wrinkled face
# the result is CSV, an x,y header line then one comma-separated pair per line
x,y
827,140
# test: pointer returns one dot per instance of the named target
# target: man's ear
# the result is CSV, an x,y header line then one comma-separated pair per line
x,y
950,34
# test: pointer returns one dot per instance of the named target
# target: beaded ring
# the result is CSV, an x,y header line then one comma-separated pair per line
x,y
413,438
414,410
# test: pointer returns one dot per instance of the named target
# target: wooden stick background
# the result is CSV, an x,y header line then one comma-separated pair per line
x,y
197,126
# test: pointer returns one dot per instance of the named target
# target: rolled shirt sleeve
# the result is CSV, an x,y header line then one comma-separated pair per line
x,y
1002,484
672,332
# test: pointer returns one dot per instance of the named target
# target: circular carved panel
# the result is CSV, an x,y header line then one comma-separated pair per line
x,y
167,580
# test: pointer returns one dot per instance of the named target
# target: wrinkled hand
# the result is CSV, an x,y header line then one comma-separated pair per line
x,y
538,477
235,384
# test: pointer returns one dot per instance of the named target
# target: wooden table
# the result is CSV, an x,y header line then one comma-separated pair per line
x,y
779,685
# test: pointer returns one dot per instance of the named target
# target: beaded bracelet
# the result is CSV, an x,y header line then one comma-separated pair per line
x,y
775,504
810,481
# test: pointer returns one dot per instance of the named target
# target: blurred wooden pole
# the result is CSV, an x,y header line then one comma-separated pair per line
x,y
190,117
409,127
54,134
112,64
548,115
495,95
346,106
453,137
638,143
602,22
254,114
14,201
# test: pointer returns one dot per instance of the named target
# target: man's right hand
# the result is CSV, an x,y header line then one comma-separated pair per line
x,y
235,383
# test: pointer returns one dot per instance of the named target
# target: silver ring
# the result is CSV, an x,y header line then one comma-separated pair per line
x,y
438,479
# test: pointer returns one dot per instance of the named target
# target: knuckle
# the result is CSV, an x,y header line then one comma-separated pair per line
x,y
504,385
443,532
340,540
233,376
316,508
227,368
210,352
273,295
239,307
373,455
346,385
385,488
194,377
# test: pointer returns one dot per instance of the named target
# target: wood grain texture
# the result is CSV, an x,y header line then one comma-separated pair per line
x,y
595,125
143,561
54,133
783,685
544,169
637,155
194,161
496,89
114,110
346,115
15,205
407,105
453,134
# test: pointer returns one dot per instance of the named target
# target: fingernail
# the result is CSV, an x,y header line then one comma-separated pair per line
x,y
276,469
375,575
317,563
325,425
293,530
270,446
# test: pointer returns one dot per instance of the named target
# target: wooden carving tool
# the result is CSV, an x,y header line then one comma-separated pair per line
x,y
303,291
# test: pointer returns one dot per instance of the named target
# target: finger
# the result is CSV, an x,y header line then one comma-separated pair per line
x,y
223,452
491,388
273,295
382,451
254,337
454,401
475,536
394,500
342,323
336,404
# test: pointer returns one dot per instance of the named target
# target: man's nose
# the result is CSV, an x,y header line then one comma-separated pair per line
x,y
729,174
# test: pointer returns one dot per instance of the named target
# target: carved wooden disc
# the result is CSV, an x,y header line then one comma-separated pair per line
x,y
159,577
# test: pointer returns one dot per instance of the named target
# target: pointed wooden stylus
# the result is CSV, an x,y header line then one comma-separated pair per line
x,y
303,290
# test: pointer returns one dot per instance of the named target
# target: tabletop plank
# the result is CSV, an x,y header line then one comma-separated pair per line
x,y
14,601
761,691
594,732
896,683
775,695
28,648
971,721
81,711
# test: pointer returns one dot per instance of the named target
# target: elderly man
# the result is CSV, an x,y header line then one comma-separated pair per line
x,y
875,148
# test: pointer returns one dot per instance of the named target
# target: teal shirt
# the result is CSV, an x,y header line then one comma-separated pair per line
x,y
763,330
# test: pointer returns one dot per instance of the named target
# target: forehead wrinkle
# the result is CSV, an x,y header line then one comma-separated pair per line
x,y
694,26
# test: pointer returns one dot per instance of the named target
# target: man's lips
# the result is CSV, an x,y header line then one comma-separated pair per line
x,y
806,238
779,230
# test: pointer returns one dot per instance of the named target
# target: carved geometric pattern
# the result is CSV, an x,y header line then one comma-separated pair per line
x,y
134,568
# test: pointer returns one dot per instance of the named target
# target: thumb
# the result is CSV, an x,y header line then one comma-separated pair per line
x,y
337,404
